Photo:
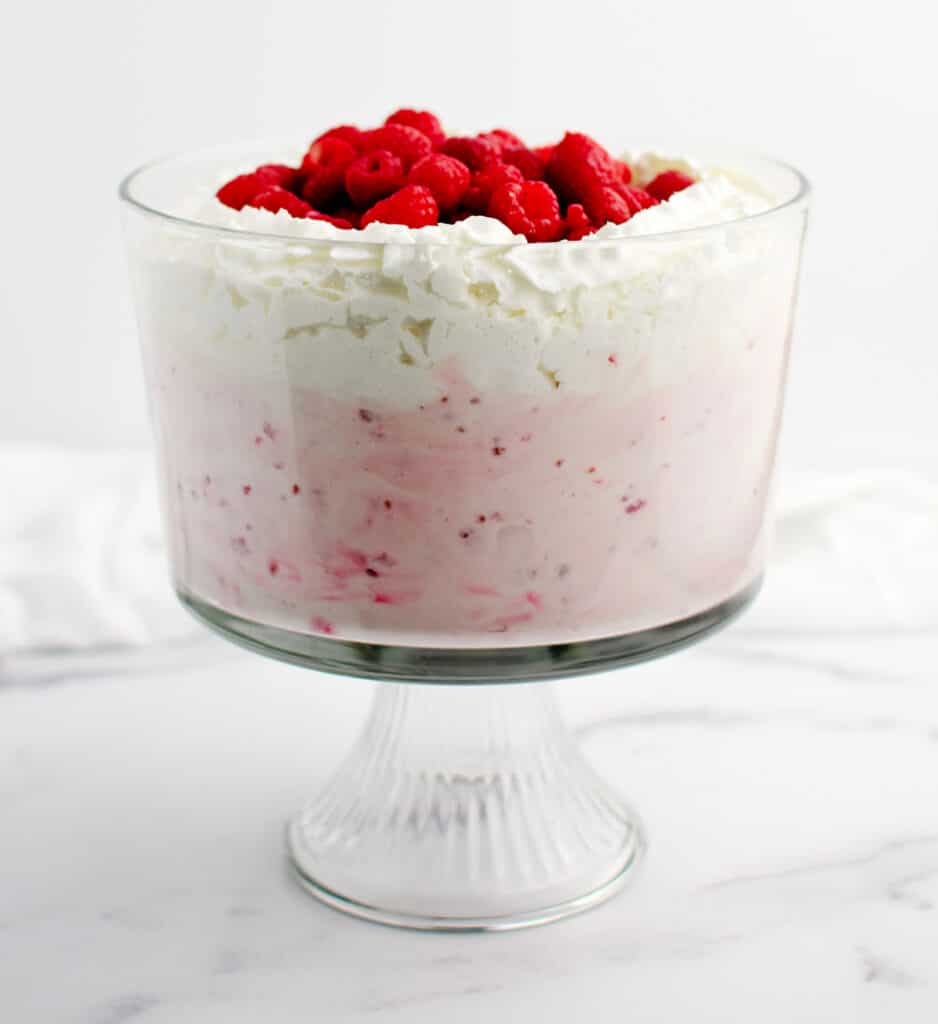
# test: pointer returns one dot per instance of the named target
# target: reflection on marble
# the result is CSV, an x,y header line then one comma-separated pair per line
x,y
789,783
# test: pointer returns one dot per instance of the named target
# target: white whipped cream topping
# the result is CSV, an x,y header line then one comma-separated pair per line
x,y
372,314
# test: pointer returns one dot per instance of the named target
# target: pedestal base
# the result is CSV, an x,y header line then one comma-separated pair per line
x,y
464,809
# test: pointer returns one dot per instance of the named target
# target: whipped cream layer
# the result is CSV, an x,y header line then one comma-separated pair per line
x,y
452,437
371,313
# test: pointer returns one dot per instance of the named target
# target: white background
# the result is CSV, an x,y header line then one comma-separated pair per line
x,y
847,91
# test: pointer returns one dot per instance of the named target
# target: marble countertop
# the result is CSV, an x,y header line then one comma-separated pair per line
x,y
788,781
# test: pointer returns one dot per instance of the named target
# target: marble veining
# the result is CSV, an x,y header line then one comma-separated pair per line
x,y
789,786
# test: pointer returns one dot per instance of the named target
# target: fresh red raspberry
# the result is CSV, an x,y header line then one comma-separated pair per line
x,y
637,198
530,209
339,222
445,176
238,192
485,182
407,143
604,205
350,214
577,223
374,176
667,183
475,153
326,151
526,160
346,132
616,203
276,198
278,174
578,166
502,139
423,121
324,165
544,153
413,206
624,171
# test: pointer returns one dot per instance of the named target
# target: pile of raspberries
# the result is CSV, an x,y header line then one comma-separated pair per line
x,y
410,172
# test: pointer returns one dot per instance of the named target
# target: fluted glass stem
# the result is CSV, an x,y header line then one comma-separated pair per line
x,y
464,807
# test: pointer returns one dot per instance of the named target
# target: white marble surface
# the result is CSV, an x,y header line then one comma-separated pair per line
x,y
788,780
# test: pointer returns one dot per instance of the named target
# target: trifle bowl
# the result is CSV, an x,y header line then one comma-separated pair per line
x,y
459,453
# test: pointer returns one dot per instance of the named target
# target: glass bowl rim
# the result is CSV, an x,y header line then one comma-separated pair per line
x,y
125,194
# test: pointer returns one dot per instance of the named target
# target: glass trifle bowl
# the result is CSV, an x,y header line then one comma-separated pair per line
x,y
450,456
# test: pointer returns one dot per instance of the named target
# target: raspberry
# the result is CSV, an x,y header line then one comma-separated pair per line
x,y
578,166
373,176
276,198
238,192
502,139
527,161
637,198
616,204
486,181
349,214
530,209
475,153
324,165
578,224
667,183
338,222
445,176
278,174
327,151
407,143
423,121
346,132
413,206
406,171
604,204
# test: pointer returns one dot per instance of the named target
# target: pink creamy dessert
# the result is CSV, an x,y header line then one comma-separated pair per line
x,y
452,437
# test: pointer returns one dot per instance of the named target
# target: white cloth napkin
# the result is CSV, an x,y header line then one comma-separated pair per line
x,y
852,552
82,564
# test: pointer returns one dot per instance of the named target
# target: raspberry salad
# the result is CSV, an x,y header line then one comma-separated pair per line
x,y
386,416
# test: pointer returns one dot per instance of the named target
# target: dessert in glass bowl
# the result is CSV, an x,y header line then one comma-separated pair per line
x,y
456,409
